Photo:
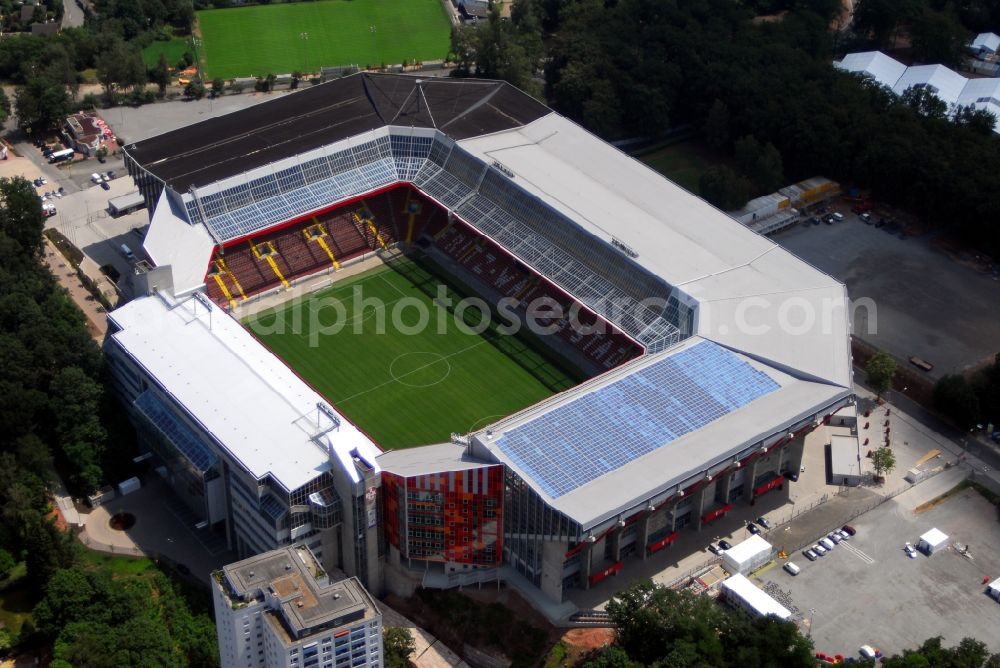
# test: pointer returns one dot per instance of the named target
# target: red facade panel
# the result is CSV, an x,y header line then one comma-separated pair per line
x,y
452,516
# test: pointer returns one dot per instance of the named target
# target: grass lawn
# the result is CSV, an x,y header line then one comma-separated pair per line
x,y
262,39
172,49
407,388
683,162
117,565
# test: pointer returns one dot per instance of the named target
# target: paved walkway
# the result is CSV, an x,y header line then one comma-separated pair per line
x,y
97,320
430,652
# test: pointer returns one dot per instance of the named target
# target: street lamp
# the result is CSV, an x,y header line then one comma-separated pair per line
x,y
812,619
304,36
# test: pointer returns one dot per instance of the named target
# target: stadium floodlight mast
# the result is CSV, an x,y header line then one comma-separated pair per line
x,y
373,31
304,36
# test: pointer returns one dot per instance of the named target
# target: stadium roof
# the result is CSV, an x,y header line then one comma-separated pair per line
x,y
248,400
429,459
778,324
745,285
642,430
316,116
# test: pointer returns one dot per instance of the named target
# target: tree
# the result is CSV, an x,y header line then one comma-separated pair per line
x,y
883,461
398,647
195,90
925,102
41,104
218,87
612,657
4,106
716,128
7,563
980,121
954,397
938,37
879,372
160,74
724,188
21,215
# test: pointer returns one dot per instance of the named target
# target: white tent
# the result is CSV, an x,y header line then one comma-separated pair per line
x,y
931,541
745,595
748,555
986,41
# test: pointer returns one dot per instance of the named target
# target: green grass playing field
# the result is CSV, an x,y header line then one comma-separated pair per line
x,y
263,39
406,388
172,50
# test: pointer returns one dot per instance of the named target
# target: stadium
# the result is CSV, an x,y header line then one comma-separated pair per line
x,y
668,362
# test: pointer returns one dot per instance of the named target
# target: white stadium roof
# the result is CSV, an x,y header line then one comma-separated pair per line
x,y
247,399
740,280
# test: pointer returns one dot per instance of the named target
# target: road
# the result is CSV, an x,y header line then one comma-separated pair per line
x,y
73,14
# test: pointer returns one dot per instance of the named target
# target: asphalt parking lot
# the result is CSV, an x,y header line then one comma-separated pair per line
x,y
927,304
869,592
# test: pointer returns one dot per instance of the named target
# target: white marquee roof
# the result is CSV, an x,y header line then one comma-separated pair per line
x,y
874,64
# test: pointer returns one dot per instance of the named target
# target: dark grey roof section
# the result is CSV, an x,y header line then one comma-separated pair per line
x,y
221,147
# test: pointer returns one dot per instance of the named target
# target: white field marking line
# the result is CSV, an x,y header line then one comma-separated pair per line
x,y
333,288
338,402
858,553
389,283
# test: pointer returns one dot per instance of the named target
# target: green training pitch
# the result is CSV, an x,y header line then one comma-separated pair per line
x,y
406,385
268,39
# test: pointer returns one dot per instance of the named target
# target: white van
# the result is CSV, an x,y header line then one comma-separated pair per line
x,y
127,252
839,217
792,568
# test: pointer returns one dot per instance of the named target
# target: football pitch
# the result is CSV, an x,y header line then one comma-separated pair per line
x,y
404,384
306,36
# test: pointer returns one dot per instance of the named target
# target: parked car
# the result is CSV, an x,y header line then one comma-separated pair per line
x,y
111,173
714,549
105,186
809,554
921,364
725,545
843,534
792,568
834,536
792,475
767,525
910,551
827,543
753,528
95,177
837,217
866,218
814,220
828,219
849,529
819,550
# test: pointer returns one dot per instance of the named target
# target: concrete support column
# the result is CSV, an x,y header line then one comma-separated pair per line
x,y
726,478
643,537
615,538
699,505
751,476
586,565
793,456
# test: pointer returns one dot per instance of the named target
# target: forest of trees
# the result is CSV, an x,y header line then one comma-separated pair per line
x,y
56,416
627,68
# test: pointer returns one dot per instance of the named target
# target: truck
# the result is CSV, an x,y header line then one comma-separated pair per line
x,y
59,156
